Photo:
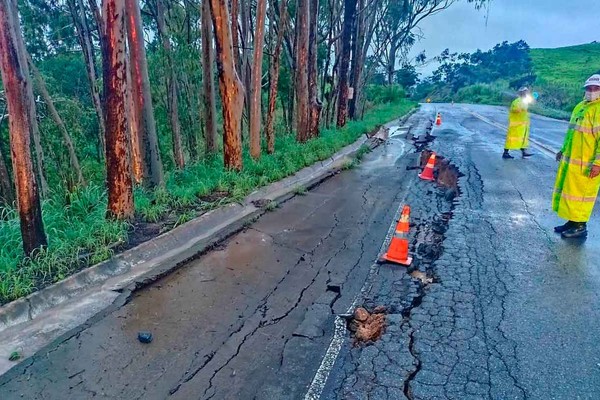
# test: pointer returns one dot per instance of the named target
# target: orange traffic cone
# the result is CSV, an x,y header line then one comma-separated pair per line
x,y
398,251
427,174
438,119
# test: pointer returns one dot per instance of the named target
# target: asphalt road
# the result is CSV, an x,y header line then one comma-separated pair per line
x,y
513,311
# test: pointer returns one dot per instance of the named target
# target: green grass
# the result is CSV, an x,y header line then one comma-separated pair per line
x,y
80,236
566,65
561,73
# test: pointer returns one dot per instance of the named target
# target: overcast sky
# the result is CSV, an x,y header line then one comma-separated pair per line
x,y
541,23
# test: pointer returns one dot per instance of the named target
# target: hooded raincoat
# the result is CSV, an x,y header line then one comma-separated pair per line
x,y
574,191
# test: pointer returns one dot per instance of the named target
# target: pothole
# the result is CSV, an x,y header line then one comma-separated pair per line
x,y
445,173
367,326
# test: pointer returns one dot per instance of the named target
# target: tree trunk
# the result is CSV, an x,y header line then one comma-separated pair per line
x,y
15,79
118,163
357,60
256,85
209,108
274,72
369,26
100,24
302,93
349,16
172,88
246,71
147,138
21,52
315,103
137,169
391,67
232,91
59,122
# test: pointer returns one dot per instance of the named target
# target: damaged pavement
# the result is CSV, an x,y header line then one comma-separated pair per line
x,y
295,306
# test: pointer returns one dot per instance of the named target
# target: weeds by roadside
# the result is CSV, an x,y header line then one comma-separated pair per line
x,y
79,235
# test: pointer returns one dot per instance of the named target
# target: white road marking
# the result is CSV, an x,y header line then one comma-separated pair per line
x,y
548,151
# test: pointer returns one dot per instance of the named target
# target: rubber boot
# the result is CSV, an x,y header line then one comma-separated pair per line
x,y
506,155
578,230
525,153
565,227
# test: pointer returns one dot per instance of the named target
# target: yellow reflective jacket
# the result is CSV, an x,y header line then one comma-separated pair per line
x,y
574,191
517,136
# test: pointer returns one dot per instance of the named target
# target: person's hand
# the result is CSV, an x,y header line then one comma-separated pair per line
x,y
595,171
559,156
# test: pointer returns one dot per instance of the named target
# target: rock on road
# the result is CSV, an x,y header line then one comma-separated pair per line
x,y
513,311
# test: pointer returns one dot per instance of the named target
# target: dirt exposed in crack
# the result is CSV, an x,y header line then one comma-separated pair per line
x,y
367,327
427,245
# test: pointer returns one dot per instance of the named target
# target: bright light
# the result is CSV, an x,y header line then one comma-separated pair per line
x,y
528,99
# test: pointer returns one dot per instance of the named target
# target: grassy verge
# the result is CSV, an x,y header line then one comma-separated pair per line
x,y
499,94
80,236
551,113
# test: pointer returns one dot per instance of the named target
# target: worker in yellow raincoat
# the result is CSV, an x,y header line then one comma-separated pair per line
x,y
517,136
578,177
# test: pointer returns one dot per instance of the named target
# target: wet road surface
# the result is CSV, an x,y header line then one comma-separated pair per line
x,y
512,312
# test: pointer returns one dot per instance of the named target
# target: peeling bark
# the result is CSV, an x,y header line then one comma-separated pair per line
x,y
256,85
302,93
137,170
18,88
230,86
118,163
147,138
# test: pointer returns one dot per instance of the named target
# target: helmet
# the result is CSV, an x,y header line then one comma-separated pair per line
x,y
593,80
524,89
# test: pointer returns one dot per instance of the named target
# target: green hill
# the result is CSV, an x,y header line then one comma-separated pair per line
x,y
493,76
561,73
566,65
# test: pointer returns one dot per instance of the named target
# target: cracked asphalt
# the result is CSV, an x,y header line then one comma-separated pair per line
x,y
512,312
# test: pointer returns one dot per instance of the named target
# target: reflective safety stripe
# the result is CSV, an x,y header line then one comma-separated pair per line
x,y
584,129
518,123
576,161
401,235
582,199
